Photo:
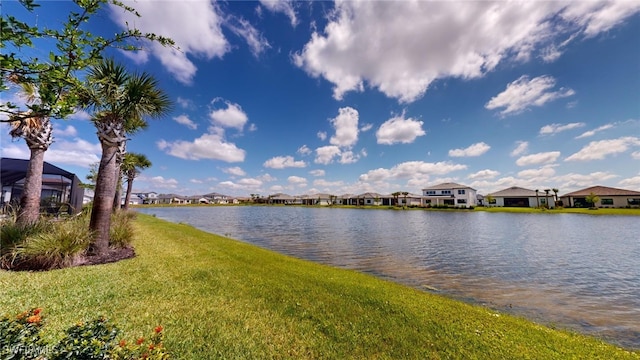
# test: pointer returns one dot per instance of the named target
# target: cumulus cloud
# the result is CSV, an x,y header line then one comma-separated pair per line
x,y
524,93
322,135
159,182
472,39
544,172
297,181
598,150
231,116
195,26
207,146
633,182
317,172
241,27
325,154
184,120
281,162
399,130
539,158
552,129
346,127
235,171
411,169
304,150
476,149
76,152
635,155
484,175
521,148
67,131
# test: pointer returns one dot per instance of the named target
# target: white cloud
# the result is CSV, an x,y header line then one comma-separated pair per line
x,y
195,26
346,126
325,154
266,178
235,171
241,27
207,146
185,103
297,181
556,128
67,131
544,172
476,149
633,182
326,184
230,117
283,6
411,169
281,162
598,150
366,127
524,93
522,148
635,155
184,120
322,135
472,39
196,181
80,115
572,181
484,175
77,152
317,172
304,150
160,182
539,158
594,131
245,184
399,130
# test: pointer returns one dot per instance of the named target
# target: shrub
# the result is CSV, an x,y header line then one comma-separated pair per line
x,y
55,248
97,339
121,232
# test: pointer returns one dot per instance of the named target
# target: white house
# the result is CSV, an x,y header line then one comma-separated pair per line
x,y
520,197
450,194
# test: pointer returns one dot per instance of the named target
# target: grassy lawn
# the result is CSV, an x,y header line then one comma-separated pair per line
x,y
600,211
220,298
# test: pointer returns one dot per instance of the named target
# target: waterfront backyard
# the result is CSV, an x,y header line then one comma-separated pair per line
x,y
221,298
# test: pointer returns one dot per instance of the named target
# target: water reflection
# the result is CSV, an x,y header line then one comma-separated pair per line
x,y
575,271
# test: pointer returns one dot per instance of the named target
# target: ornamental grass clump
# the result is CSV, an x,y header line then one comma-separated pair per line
x,y
53,249
93,340
121,232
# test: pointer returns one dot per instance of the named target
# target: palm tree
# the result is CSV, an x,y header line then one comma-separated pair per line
x,y
537,198
131,166
546,197
120,101
36,130
395,197
489,199
405,193
555,191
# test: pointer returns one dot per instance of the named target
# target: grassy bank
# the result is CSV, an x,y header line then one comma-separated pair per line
x,y
220,298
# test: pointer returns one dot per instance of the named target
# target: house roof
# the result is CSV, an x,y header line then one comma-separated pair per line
x,y
516,191
447,186
16,169
603,191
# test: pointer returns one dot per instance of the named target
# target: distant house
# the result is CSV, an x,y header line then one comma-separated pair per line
x,y
172,199
282,199
216,198
609,197
451,194
520,197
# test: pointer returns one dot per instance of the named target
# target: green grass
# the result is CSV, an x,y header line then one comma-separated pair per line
x,y
220,298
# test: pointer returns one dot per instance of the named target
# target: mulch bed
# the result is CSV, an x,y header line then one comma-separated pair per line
x,y
113,255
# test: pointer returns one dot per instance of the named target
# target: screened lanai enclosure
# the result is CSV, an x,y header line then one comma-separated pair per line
x,y
61,189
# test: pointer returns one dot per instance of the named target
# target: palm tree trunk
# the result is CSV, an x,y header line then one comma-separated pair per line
x,y
30,198
103,200
117,198
129,190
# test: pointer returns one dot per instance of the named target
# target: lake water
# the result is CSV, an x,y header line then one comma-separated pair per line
x,y
580,272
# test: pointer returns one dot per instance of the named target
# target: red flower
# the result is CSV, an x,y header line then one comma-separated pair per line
x,y
122,343
34,319
140,341
152,346
158,329
37,311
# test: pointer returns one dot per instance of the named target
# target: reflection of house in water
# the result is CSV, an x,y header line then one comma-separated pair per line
x,y
58,186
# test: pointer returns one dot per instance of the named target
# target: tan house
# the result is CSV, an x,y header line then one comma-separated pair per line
x,y
520,197
608,197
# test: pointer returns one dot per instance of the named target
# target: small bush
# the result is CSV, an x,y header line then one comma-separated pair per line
x,y
121,232
55,248
97,339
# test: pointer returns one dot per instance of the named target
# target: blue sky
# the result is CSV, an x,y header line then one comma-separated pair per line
x,y
349,97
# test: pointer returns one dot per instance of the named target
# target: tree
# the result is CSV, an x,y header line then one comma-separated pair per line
x,y
489,199
56,80
405,193
537,198
120,102
592,199
555,192
395,197
131,167
546,197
